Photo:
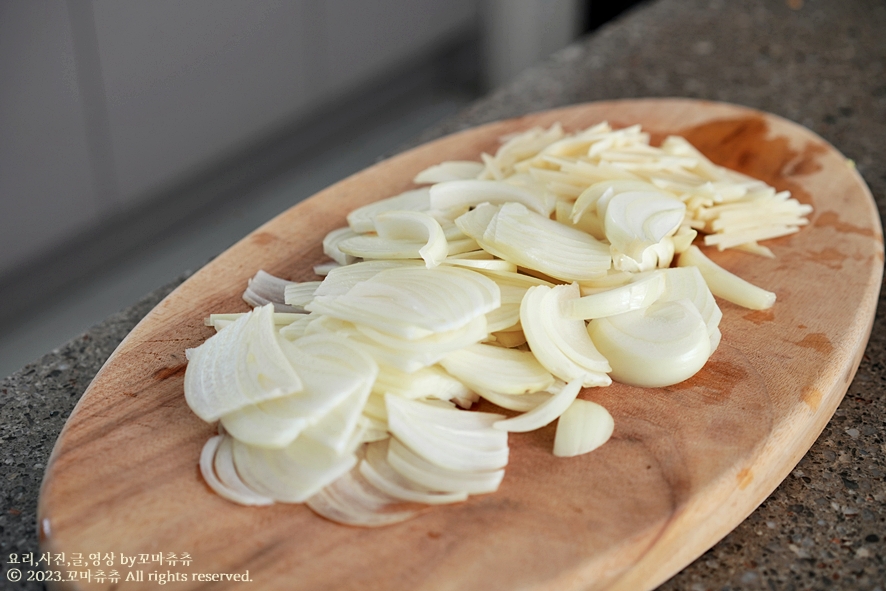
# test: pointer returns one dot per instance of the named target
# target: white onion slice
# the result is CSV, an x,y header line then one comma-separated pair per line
x,y
503,278
641,292
227,473
727,285
299,294
433,347
465,402
361,220
264,288
487,367
232,490
470,193
527,239
636,220
378,472
241,365
545,413
414,226
331,244
570,335
496,264
220,321
516,402
542,318
658,346
658,255
297,328
374,247
413,302
291,474
507,316
340,280
586,203
431,382
424,473
337,376
323,269
583,427
337,428
689,284
451,439
452,170
351,500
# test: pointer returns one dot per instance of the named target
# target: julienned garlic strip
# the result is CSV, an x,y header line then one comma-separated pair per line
x,y
494,281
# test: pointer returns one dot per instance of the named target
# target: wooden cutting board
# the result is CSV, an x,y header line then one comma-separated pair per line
x,y
685,465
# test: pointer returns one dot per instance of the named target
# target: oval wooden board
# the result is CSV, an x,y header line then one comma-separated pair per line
x,y
685,465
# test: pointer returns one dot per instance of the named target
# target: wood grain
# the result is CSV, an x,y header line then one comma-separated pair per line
x,y
686,464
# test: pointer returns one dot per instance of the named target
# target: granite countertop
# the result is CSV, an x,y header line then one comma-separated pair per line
x,y
819,63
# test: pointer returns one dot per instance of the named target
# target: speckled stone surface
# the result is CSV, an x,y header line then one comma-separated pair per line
x,y
819,63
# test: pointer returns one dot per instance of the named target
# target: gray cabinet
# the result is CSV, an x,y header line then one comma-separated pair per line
x,y
104,103
46,190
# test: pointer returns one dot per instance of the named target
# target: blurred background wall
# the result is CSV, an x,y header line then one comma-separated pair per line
x,y
123,119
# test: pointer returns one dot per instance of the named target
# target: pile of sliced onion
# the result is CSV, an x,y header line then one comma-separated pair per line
x,y
561,263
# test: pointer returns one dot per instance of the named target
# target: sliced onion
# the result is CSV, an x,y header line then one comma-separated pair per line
x,y
351,500
583,427
231,488
335,372
414,302
340,280
635,220
424,473
510,339
451,439
219,321
527,239
726,285
227,473
543,414
339,426
658,255
689,284
487,367
586,203
567,358
292,474
470,193
361,220
658,346
299,294
415,226
516,402
323,269
496,264
431,382
449,171
241,365
331,246
428,350
641,292
378,472
264,289
296,329
473,260
570,335
372,246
